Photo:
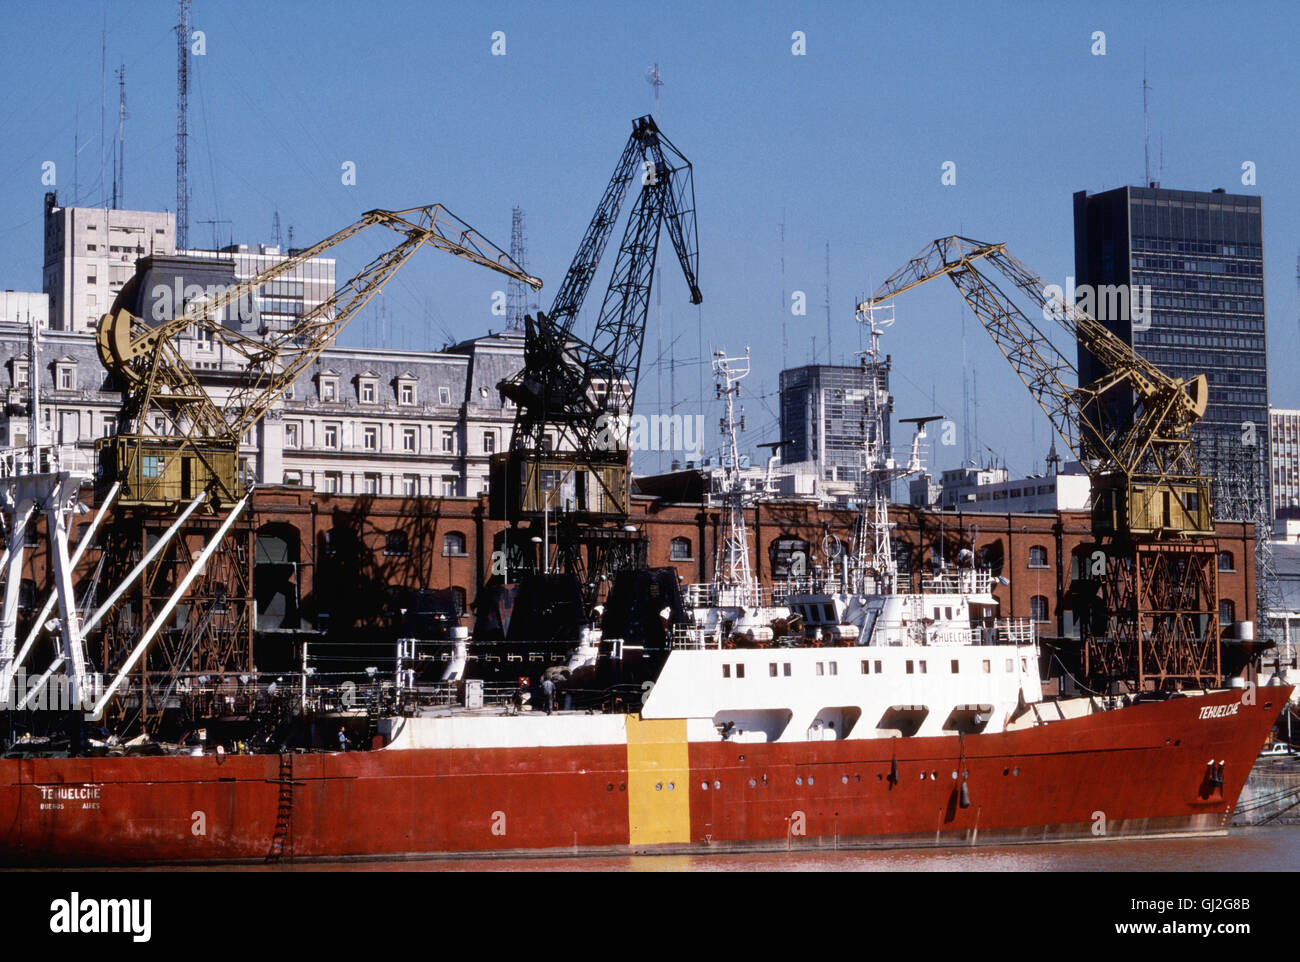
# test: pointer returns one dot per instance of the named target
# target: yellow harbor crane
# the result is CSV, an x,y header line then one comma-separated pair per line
x,y
198,447
1149,590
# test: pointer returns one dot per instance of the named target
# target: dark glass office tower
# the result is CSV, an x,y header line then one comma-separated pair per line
x,y
1201,256
823,408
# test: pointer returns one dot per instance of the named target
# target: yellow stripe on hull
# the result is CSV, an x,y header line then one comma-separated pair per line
x,y
658,782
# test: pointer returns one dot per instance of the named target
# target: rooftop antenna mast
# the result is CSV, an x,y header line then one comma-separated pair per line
x,y
516,291
1146,122
830,357
275,229
103,105
182,116
785,343
119,168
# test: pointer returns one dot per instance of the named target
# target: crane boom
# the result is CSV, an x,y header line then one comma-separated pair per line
x,y
147,360
1144,466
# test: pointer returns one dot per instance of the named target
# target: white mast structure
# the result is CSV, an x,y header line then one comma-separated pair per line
x,y
875,567
732,574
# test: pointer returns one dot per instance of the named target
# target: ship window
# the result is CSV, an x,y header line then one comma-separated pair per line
x,y
947,614
955,666
1011,665
821,668
771,669
877,668
740,671
830,612
923,666
834,668
785,669
866,668
726,671
909,666
988,666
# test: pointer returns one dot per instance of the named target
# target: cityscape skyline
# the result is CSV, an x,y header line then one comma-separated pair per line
x,y
737,99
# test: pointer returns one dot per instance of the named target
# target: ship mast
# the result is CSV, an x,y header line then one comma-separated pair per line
x,y
731,566
875,569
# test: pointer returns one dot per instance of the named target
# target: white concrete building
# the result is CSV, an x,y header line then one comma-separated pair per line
x,y
25,307
1284,461
992,490
90,252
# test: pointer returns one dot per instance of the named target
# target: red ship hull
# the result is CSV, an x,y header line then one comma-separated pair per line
x,y
1171,767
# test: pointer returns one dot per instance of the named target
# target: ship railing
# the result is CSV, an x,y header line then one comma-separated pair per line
x,y
1017,631
962,581
1004,631
16,461
783,591
690,638
711,595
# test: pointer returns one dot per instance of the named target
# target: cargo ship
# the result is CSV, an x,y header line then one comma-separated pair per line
x,y
881,715
732,749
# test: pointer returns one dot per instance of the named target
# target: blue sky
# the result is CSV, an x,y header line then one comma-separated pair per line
x,y
844,145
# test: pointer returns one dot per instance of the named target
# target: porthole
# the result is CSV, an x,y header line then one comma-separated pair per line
x,y
609,787
622,786
717,785
965,773
704,786
659,786
923,776
1015,771
671,786
1006,771
798,780
752,783
844,779
811,779
954,776
933,776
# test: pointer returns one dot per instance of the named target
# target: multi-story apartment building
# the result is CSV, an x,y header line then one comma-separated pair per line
x,y
90,252
1284,461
